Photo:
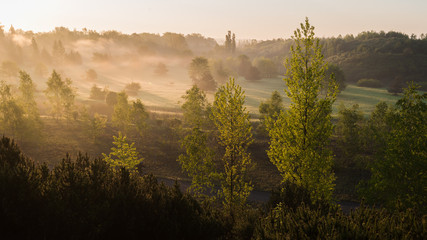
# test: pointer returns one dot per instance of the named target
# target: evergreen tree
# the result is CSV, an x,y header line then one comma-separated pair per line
x,y
234,129
299,145
121,112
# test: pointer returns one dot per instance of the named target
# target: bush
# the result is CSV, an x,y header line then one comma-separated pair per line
x,y
369,82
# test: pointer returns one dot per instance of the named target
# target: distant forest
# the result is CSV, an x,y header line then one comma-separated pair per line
x,y
387,57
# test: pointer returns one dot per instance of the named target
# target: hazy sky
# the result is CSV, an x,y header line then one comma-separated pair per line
x,y
249,19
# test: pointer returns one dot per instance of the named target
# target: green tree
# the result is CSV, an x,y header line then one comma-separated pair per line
x,y
120,118
198,163
123,155
161,69
61,95
299,145
349,130
195,108
200,73
338,74
138,117
401,175
234,129
272,107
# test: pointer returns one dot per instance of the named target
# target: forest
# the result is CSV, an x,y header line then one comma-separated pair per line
x,y
111,135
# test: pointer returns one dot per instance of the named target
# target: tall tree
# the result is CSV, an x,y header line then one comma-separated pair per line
x,y
29,105
299,145
232,121
198,159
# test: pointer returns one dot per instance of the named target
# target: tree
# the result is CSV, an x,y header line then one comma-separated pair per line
x,y
96,93
195,108
246,69
91,75
232,121
230,42
58,51
138,117
299,145
201,75
121,116
11,113
400,177
94,126
123,155
198,163
266,67
270,110
111,98
161,69
349,129
132,88
61,95
338,74
33,123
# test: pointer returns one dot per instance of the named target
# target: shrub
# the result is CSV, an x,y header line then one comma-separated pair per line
x,y
369,82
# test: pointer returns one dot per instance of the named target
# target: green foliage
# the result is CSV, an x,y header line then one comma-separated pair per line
x,y
272,107
138,117
338,74
400,176
304,222
299,145
60,95
195,107
198,163
349,130
234,129
121,118
372,83
123,155
200,73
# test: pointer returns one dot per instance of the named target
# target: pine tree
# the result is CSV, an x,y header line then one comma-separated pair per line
x,y
299,145
232,121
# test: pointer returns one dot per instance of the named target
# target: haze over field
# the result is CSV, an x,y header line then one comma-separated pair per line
x,y
251,19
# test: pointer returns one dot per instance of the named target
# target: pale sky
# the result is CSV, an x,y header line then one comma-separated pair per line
x,y
249,19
